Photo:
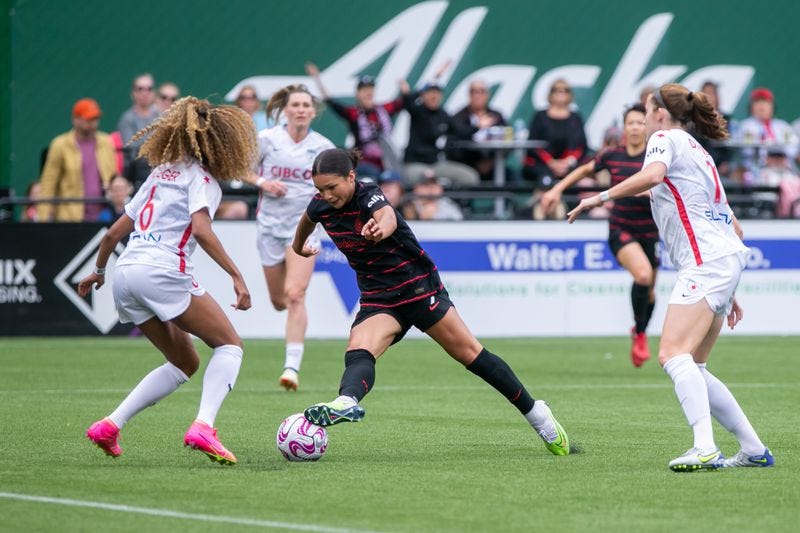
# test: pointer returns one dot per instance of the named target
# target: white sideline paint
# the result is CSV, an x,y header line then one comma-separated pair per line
x,y
221,519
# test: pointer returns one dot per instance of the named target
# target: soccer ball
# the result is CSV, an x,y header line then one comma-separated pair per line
x,y
300,440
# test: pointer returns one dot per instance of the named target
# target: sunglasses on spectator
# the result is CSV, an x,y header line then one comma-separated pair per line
x,y
478,91
247,97
168,97
143,88
561,90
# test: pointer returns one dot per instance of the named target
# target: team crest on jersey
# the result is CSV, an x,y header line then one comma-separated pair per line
x,y
357,225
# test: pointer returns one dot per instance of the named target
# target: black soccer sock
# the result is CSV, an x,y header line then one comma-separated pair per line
x,y
496,372
359,374
650,307
640,300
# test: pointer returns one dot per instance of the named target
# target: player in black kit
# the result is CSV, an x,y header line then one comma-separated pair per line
x,y
400,287
632,232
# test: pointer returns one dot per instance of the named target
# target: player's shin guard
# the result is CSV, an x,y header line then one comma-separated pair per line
x,y
359,374
640,301
496,372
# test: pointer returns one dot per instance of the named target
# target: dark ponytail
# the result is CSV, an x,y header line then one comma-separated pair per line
x,y
336,161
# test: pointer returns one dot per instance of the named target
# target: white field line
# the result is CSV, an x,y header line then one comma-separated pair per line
x,y
666,384
220,519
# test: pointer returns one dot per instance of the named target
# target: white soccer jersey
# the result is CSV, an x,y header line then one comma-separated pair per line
x,y
162,212
690,207
290,162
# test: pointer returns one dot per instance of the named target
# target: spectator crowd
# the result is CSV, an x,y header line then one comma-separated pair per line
x,y
447,169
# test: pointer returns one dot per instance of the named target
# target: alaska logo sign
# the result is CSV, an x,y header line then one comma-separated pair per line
x,y
403,39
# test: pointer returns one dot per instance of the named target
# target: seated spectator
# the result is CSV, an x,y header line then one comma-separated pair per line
x,y
34,192
167,93
762,128
474,121
391,184
430,125
247,99
563,131
722,155
79,164
428,201
140,114
370,124
777,172
118,194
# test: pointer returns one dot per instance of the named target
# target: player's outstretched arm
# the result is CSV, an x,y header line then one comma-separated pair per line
x,y
304,230
552,197
123,226
644,180
381,225
208,241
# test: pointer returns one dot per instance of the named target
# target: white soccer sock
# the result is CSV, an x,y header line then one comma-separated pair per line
x,y
727,411
294,356
690,387
218,381
159,383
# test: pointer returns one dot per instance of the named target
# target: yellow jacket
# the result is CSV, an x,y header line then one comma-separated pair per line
x,y
62,176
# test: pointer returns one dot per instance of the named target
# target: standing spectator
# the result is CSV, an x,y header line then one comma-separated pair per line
x,y
474,120
79,164
563,131
140,114
370,124
763,128
430,125
247,99
168,93
430,203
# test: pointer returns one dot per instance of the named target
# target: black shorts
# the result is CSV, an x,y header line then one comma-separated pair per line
x,y
422,314
618,238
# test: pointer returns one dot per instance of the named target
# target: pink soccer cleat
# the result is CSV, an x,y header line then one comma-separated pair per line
x,y
104,434
203,437
640,351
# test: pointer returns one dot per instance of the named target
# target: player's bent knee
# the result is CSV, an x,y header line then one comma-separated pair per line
x,y
295,296
278,305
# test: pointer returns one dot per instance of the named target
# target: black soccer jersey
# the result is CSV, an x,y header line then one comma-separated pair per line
x,y
392,272
633,214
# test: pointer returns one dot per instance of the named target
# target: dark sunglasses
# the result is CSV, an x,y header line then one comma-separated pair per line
x,y
561,90
167,97
143,88
248,97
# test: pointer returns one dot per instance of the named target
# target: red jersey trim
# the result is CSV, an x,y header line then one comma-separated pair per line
x,y
687,225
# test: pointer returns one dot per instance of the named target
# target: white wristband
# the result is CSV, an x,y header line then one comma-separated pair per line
x,y
260,181
100,271
604,197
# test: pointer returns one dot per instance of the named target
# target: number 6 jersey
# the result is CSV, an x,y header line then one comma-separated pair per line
x,y
162,213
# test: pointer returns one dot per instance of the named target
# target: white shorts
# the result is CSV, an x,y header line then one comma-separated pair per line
x,y
716,281
272,249
144,291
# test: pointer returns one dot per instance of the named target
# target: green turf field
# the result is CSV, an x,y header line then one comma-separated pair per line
x,y
438,449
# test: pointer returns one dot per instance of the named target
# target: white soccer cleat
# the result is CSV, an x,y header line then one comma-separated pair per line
x,y
289,380
741,459
695,459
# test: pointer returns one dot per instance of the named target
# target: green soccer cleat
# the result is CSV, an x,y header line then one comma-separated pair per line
x,y
554,437
342,409
695,459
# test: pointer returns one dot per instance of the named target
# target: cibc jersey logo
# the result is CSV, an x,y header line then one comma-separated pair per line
x,y
18,282
98,306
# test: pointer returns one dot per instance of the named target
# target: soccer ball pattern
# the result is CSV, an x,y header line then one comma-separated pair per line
x,y
300,440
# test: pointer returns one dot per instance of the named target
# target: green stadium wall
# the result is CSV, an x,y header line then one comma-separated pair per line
x,y
57,51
